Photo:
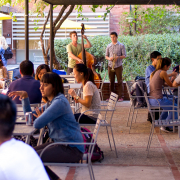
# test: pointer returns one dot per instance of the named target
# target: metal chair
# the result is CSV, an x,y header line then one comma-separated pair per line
x,y
109,110
160,123
9,80
66,94
70,78
86,161
101,85
132,106
20,112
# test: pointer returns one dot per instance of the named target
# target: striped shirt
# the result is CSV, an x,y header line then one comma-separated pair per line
x,y
119,50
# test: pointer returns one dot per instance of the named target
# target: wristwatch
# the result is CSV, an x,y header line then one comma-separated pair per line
x,y
77,97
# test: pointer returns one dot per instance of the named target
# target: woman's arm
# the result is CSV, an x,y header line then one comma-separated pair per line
x,y
5,74
164,76
85,102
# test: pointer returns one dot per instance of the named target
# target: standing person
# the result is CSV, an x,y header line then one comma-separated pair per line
x,y
116,51
74,49
91,98
59,119
18,161
3,74
3,47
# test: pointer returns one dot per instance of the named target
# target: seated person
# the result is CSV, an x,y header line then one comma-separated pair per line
x,y
27,83
59,119
91,98
157,80
3,74
154,56
41,70
17,160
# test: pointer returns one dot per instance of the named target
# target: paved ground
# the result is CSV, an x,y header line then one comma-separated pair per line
x,y
163,162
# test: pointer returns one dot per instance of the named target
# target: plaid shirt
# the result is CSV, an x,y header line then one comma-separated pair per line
x,y
119,50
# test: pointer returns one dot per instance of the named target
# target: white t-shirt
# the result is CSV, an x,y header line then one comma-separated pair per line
x,y
90,89
178,79
18,161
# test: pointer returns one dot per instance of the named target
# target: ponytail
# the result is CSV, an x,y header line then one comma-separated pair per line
x,y
88,73
160,64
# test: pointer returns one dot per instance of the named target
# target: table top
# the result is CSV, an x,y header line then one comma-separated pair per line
x,y
21,129
20,120
73,85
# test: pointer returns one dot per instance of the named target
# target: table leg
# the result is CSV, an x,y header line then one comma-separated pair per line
x,y
27,139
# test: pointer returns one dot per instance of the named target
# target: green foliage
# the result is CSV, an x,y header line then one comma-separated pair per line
x,y
152,20
138,50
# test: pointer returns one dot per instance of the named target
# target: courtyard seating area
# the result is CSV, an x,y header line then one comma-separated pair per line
x,y
163,162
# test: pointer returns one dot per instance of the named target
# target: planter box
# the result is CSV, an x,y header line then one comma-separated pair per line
x,y
106,91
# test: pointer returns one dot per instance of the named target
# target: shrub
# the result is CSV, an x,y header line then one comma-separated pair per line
x,y
138,49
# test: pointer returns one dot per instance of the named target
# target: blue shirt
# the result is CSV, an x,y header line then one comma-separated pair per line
x,y
28,84
59,119
148,72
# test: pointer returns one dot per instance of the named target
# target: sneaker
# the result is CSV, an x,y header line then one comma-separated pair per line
x,y
107,100
164,129
120,100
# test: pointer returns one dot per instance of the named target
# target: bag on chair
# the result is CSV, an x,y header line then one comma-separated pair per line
x,y
8,53
97,153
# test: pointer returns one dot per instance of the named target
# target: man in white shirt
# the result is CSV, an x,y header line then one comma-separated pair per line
x,y
18,161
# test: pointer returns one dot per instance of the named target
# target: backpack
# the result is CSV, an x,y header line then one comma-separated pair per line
x,y
138,89
97,153
8,53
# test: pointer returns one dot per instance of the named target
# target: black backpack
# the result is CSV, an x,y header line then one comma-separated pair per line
x,y
8,53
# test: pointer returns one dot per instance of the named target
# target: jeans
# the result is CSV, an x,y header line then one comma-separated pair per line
x,y
85,119
165,102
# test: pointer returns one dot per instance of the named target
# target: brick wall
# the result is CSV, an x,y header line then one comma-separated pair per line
x,y
106,91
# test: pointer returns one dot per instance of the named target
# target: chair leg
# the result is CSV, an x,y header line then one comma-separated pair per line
x,y
92,172
114,142
131,121
149,136
108,138
129,114
150,141
136,115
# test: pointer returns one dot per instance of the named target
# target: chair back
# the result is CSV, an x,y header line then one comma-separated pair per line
x,y
129,85
95,134
66,94
10,76
20,112
70,78
112,101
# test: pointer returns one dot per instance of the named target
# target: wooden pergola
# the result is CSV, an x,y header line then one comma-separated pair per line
x,y
85,2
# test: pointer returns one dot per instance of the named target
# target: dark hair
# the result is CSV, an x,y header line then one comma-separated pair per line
x,y
55,80
7,116
72,32
154,54
26,67
160,64
1,63
88,74
39,68
114,33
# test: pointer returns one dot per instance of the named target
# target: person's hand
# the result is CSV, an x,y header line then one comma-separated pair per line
x,y
21,94
71,92
116,58
81,61
1,79
85,37
38,112
174,73
111,58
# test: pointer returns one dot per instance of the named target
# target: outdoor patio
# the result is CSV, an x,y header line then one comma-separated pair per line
x,y
163,162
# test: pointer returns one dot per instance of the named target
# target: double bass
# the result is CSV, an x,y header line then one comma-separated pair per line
x,y
88,59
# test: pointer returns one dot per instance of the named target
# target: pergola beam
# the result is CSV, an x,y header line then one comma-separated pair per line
x,y
116,2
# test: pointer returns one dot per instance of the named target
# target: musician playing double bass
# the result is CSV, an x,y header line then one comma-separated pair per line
x,y
74,49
